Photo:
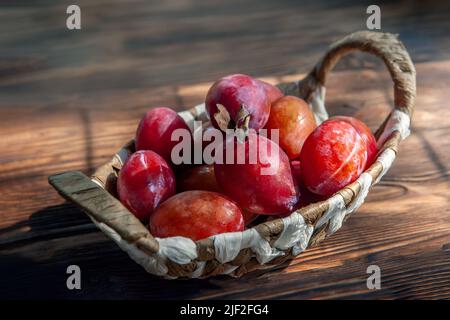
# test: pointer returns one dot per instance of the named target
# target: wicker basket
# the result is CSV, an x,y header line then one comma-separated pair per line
x,y
270,243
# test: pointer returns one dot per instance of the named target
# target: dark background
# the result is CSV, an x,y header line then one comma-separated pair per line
x,y
70,99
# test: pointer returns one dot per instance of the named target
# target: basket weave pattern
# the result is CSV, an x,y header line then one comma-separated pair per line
x,y
270,243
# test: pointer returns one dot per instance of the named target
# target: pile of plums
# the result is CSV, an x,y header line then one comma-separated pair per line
x,y
198,201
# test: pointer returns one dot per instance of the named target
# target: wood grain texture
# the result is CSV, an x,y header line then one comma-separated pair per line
x,y
68,101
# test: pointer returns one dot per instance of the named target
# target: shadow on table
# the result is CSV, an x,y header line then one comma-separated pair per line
x,y
35,261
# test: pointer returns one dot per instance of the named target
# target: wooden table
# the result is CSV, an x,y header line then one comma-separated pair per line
x,y
70,99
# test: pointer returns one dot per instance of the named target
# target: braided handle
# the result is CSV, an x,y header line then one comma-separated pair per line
x,y
388,47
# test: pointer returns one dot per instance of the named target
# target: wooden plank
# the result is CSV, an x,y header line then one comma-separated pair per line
x,y
68,101
412,236
126,47
70,143
410,246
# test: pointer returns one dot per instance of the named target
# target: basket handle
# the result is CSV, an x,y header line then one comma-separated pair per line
x,y
388,47
102,207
